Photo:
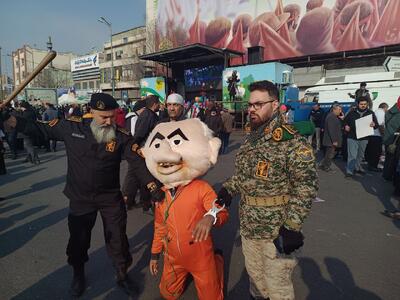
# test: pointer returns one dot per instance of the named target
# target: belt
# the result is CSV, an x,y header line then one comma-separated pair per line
x,y
267,201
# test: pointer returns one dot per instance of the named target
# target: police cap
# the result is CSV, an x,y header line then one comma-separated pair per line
x,y
102,101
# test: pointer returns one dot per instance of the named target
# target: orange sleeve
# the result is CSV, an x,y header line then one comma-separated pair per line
x,y
209,195
160,231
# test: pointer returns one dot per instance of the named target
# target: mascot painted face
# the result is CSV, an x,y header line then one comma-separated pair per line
x,y
178,152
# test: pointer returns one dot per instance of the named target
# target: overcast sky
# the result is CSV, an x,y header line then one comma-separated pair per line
x,y
72,24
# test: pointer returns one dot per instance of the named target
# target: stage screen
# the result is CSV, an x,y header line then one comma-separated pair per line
x,y
285,28
208,77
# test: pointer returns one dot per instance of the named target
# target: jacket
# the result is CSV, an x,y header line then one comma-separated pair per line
x,y
332,131
176,217
351,118
145,123
93,169
392,124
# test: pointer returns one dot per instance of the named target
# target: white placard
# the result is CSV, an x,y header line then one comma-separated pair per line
x,y
363,127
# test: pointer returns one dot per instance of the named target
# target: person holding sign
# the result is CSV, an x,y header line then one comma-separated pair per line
x,y
357,134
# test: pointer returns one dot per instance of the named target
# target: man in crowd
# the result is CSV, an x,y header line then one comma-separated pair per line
x,y
356,146
145,123
276,177
362,92
175,108
332,136
374,147
94,149
30,140
132,183
316,117
392,126
50,114
227,122
147,120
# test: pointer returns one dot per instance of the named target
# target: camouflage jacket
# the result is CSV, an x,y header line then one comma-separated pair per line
x,y
274,161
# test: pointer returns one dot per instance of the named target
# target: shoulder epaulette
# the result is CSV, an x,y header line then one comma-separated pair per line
x,y
283,133
75,119
289,128
123,130
50,123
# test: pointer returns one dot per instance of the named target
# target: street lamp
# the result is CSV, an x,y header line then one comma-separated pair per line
x,y
104,21
1,80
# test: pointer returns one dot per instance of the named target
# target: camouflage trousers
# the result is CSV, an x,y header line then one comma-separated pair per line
x,y
270,274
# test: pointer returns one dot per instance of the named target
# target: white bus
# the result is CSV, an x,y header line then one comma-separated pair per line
x,y
383,87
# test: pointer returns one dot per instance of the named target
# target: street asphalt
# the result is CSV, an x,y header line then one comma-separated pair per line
x,y
351,250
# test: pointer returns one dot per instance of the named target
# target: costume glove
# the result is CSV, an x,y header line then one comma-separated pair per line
x,y
288,240
224,197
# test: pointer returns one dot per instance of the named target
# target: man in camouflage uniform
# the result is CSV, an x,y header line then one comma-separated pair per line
x,y
276,177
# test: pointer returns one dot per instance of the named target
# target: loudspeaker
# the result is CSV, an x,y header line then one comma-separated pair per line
x,y
255,55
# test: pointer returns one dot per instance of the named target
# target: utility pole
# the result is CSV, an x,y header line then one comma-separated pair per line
x,y
1,80
104,21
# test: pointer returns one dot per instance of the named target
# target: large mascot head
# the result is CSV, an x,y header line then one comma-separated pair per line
x,y
178,152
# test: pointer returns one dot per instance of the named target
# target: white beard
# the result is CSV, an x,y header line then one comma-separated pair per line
x,y
103,134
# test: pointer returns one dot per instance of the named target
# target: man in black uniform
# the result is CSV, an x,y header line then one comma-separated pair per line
x,y
94,150
145,123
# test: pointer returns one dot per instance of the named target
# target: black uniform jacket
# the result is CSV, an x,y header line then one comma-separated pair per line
x,y
93,168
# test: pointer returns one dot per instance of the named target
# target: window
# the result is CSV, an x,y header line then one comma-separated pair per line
x,y
23,74
118,54
118,73
98,84
144,49
77,86
91,85
106,75
22,62
108,57
125,40
17,63
84,85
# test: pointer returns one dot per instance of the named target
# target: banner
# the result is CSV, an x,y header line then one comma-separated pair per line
x,y
285,28
153,86
85,62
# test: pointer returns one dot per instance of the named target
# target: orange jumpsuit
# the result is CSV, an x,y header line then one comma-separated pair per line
x,y
175,219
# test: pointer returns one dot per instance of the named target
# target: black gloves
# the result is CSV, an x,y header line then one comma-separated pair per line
x,y
157,194
288,240
224,197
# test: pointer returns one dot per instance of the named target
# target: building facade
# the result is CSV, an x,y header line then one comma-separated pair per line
x,y
56,74
127,46
86,72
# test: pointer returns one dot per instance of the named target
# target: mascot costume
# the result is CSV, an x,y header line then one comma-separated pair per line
x,y
177,153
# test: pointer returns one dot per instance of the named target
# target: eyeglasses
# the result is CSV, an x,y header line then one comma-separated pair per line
x,y
258,105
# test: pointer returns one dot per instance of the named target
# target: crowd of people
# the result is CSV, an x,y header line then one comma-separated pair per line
x,y
336,134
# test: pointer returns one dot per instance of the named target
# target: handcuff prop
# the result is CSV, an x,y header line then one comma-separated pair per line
x,y
214,211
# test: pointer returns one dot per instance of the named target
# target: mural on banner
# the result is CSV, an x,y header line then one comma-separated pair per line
x,y
236,81
153,86
285,28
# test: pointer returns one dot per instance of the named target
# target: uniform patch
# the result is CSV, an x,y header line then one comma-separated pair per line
x,y
152,186
53,122
75,119
110,146
78,135
277,134
262,169
305,154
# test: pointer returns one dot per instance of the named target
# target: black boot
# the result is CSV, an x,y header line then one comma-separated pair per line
x,y
126,283
78,284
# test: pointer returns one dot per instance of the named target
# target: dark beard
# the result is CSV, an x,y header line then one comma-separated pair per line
x,y
103,134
